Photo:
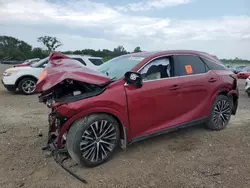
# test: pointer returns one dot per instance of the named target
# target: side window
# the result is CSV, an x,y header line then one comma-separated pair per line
x,y
189,65
80,60
213,66
157,69
96,62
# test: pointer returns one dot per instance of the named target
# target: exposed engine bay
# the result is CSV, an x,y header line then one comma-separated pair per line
x,y
70,91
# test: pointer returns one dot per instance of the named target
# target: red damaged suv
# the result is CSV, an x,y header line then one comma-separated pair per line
x,y
133,97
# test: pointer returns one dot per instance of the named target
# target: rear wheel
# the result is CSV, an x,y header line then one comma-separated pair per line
x,y
27,86
92,140
221,113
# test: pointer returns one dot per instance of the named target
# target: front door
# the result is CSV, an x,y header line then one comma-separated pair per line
x,y
156,104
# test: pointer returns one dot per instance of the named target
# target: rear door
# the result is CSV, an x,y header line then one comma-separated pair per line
x,y
197,82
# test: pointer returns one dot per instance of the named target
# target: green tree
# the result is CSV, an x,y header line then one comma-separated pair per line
x,y
137,49
51,43
38,53
120,50
14,48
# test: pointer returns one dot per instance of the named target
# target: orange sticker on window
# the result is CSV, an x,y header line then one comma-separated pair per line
x,y
189,69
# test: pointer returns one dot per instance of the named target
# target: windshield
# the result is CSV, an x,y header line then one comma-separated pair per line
x,y
117,67
40,63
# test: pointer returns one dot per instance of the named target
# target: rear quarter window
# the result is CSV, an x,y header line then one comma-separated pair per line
x,y
96,62
213,66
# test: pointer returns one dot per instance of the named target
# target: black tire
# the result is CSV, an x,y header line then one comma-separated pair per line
x,y
248,94
84,126
24,81
219,118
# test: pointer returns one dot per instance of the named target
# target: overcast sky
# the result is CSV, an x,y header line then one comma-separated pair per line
x,y
220,27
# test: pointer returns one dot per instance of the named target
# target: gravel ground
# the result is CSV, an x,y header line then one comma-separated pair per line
x,y
192,157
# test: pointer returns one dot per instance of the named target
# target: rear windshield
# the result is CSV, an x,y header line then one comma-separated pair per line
x,y
96,62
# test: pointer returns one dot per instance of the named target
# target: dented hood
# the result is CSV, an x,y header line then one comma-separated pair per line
x,y
61,67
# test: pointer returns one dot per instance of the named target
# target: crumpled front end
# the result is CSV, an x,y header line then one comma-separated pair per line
x,y
56,122
65,81
57,100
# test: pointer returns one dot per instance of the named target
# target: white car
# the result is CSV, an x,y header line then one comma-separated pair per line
x,y
247,86
24,78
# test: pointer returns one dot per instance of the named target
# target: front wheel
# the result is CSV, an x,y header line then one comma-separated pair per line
x,y
221,113
92,140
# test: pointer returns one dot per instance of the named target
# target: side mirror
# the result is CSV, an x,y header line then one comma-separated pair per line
x,y
134,78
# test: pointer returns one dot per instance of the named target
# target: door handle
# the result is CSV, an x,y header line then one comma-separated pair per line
x,y
212,80
174,87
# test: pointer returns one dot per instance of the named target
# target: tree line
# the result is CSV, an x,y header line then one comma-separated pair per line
x,y
14,49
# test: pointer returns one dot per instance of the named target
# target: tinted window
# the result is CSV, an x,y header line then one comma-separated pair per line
x,y
79,59
214,66
189,65
96,62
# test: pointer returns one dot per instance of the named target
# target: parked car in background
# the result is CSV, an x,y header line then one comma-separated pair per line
x,y
27,62
133,97
232,68
241,68
244,74
10,62
24,78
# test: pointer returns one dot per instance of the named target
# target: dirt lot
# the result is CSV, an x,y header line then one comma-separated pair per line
x,y
193,157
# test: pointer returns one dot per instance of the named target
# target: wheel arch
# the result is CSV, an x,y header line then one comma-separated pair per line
x,y
22,77
233,95
122,128
123,124
223,91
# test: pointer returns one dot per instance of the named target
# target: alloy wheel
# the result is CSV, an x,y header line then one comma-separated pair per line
x,y
98,140
29,86
221,113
